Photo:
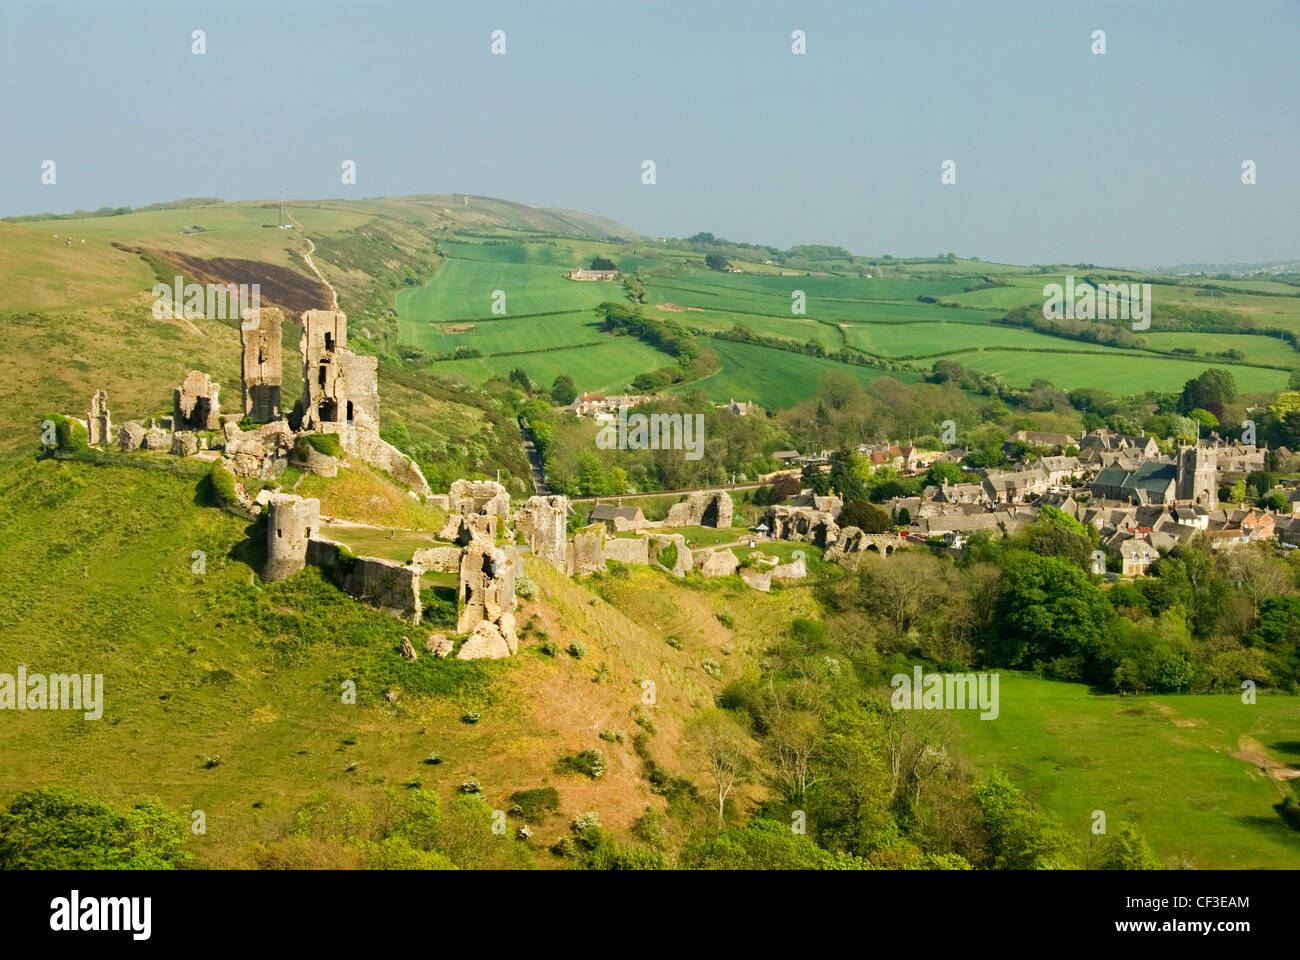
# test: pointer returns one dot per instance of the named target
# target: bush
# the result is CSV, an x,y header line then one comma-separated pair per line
x,y
472,716
591,763
471,786
71,434
577,650
525,588
726,619
533,805
549,648
650,825
222,482
612,736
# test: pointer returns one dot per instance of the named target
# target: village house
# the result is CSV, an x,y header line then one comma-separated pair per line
x,y
615,518
1015,486
1061,469
593,274
1136,556
1057,442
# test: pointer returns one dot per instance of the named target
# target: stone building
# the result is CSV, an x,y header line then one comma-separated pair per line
x,y
260,336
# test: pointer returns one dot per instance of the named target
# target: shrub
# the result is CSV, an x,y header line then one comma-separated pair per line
x,y
471,786
71,434
532,805
591,763
472,716
649,827
726,619
577,650
222,482
549,648
668,556
525,588
612,736
712,668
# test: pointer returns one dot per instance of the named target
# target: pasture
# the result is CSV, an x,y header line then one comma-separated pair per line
x,y
774,378
1182,769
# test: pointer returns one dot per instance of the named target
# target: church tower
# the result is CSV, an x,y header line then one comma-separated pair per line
x,y
1198,476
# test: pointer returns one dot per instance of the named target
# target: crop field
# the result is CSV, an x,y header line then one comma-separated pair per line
x,y
952,339
772,294
1257,349
774,378
794,329
1119,372
1180,768
608,365
463,290
507,334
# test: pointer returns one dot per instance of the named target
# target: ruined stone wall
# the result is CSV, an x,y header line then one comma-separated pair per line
x,y
257,453
461,528
361,439
195,404
290,523
659,542
801,523
389,586
486,586
542,522
479,496
702,509
717,563
586,552
627,549
438,559
260,337
337,384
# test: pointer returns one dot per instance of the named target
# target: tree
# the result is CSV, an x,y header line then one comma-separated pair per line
x,y
519,376
715,261
1214,389
603,263
867,517
1021,838
1047,609
56,828
564,391
724,750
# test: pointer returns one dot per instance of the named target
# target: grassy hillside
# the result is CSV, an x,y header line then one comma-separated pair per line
x,y
223,694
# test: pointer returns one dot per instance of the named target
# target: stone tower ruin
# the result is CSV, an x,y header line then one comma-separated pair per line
x,y
337,384
259,333
290,523
99,424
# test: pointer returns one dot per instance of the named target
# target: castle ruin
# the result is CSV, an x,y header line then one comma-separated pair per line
x,y
260,337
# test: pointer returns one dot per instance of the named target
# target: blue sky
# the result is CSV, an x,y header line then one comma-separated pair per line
x,y
1129,158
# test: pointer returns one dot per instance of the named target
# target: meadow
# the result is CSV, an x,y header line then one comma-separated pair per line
x,y
774,378
1179,768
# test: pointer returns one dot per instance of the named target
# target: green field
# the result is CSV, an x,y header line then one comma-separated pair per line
x,y
1162,763
774,378
608,365
464,290
1116,371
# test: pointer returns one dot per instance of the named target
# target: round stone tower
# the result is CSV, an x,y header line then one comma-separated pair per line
x,y
290,523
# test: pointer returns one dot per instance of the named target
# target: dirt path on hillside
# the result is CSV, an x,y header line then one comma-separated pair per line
x,y
311,248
